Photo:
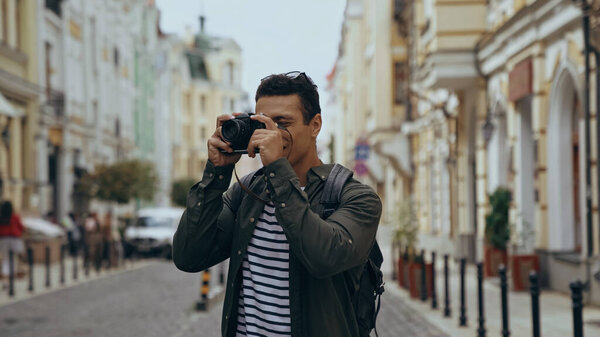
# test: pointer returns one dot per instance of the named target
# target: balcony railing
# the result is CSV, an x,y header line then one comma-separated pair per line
x,y
56,101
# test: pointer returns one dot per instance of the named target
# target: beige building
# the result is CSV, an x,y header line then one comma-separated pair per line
x,y
501,102
449,99
369,99
496,96
206,85
543,141
18,102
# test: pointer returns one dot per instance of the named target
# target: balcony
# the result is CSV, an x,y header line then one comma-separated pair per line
x,y
55,103
449,42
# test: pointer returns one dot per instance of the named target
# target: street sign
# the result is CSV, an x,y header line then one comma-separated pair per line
x,y
360,168
361,151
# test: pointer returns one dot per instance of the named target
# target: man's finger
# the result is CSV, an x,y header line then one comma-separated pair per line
x,y
251,147
270,124
222,118
219,144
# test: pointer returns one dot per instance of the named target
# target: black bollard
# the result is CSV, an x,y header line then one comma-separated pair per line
x,y
75,262
30,263
98,257
86,259
462,319
576,288
47,251
535,302
504,298
202,304
11,273
481,329
62,264
434,303
109,255
447,312
423,277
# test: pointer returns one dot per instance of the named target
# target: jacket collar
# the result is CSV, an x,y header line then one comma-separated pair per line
x,y
318,172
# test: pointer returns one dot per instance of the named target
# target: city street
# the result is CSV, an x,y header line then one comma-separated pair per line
x,y
155,300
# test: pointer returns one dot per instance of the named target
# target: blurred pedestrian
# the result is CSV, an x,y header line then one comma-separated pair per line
x,y
72,232
11,232
92,234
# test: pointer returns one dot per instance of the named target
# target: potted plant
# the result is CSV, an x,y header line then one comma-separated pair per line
x,y
524,260
405,236
415,275
497,232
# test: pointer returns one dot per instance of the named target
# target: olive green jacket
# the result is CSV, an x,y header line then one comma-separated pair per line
x,y
326,256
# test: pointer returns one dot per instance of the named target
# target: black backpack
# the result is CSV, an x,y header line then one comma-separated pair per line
x,y
367,298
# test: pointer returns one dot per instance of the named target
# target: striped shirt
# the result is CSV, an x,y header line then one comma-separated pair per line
x,y
264,303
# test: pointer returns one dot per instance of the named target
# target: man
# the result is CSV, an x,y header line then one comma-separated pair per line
x,y
291,273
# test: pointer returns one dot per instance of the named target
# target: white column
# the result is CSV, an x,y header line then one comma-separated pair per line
x,y
12,23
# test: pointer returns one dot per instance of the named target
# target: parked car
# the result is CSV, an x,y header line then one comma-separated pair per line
x,y
152,232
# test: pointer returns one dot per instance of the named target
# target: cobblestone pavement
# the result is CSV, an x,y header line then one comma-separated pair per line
x,y
156,300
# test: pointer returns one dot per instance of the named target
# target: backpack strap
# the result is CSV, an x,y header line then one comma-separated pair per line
x,y
332,192
238,193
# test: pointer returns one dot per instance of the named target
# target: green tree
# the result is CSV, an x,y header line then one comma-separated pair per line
x,y
124,181
497,228
179,191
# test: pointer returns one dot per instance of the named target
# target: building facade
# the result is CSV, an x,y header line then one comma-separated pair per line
x,y
19,102
88,67
207,83
543,142
497,93
369,98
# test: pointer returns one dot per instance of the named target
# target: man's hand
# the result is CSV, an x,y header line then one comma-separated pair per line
x,y
269,141
216,144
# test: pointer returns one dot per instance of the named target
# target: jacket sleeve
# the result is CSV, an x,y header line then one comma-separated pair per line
x,y
203,237
325,247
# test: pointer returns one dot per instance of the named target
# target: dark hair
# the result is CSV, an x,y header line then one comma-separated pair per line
x,y
6,211
302,85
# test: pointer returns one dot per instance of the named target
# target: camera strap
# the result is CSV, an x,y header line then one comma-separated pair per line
x,y
245,183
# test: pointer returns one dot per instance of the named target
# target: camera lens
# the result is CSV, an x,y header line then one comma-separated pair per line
x,y
231,130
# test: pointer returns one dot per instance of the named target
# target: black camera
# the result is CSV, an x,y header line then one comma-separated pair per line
x,y
238,131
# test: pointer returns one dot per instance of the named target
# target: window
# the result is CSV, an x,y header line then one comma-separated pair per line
x,y
4,22
230,72
203,104
48,49
399,83
54,5
18,23
94,46
186,133
188,104
95,112
116,57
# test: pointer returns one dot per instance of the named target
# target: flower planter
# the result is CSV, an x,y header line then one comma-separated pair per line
x,y
415,279
400,272
521,266
493,259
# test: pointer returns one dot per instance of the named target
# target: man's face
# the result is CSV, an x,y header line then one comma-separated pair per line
x,y
286,111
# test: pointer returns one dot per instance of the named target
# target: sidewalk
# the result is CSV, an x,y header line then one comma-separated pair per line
x,y
555,308
21,285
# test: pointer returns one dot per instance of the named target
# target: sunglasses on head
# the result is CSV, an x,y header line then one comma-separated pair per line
x,y
292,75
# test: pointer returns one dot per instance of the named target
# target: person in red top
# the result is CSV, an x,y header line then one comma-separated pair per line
x,y
11,230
